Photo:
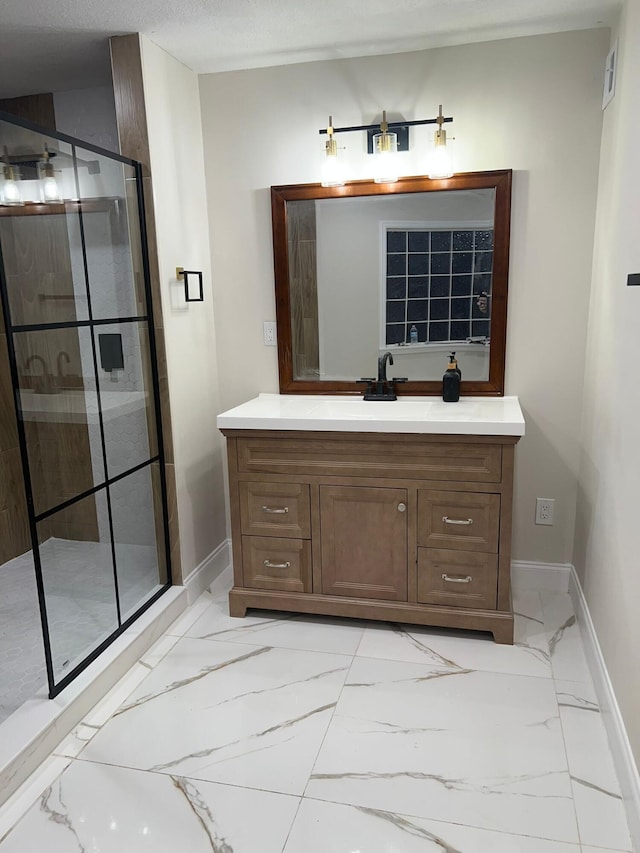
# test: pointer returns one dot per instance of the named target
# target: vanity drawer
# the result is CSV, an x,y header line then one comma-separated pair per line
x,y
275,509
469,521
270,563
364,457
457,578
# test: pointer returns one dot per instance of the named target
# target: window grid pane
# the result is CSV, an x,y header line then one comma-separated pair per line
x,y
438,280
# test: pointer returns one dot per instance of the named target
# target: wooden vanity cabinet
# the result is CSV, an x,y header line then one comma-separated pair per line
x,y
403,528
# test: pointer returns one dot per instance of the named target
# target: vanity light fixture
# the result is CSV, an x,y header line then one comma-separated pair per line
x,y
10,193
332,168
440,162
385,146
49,189
386,139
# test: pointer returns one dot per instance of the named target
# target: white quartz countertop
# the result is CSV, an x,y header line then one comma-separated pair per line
x,y
469,416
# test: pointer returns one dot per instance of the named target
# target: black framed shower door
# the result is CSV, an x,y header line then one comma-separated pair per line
x,y
78,318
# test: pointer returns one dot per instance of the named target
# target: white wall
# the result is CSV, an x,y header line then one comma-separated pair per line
x,y
177,165
530,104
607,548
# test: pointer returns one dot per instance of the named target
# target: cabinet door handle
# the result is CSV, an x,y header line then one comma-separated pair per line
x,y
271,565
465,521
276,510
445,577
402,507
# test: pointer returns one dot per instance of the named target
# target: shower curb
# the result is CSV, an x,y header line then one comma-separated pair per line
x,y
31,734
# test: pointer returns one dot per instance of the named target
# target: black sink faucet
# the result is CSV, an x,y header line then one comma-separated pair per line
x,y
382,388
382,366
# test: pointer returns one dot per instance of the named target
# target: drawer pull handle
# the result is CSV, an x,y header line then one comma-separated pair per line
x,y
402,507
465,521
271,565
445,577
276,510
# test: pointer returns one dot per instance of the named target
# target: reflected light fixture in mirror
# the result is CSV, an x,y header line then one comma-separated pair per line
x,y
49,189
385,146
10,193
440,161
332,168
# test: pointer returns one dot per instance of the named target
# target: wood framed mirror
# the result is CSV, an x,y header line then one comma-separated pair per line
x,y
417,267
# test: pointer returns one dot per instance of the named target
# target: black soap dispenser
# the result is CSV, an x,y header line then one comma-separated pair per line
x,y
451,381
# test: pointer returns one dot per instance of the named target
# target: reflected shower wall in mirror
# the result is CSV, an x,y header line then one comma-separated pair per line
x,y
417,268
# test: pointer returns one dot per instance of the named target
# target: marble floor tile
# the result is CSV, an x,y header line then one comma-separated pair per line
x,y
283,630
588,849
598,801
245,715
568,660
402,739
478,748
467,650
322,827
93,807
21,801
601,816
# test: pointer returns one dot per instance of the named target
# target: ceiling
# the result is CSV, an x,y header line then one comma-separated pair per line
x,y
53,46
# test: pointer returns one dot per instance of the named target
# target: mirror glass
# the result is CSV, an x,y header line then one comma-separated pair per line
x,y
413,271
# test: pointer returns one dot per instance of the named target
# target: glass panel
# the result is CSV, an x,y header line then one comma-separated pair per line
x,y
71,251
40,242
112,237
139,538
126,395
79,587
59,407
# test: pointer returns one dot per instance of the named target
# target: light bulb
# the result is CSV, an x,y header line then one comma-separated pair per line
x,y
49,189
10,193
332,168
332,171
385,166
440,163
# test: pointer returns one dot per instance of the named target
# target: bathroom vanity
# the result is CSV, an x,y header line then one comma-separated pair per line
x,y
394,511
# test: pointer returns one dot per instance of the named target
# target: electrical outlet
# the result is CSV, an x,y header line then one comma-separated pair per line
x,y
544,510
269,333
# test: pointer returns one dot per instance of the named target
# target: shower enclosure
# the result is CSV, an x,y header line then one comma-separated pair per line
x,y
83,515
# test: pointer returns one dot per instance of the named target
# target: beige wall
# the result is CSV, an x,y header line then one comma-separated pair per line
x,y
530,104
175,141
606,539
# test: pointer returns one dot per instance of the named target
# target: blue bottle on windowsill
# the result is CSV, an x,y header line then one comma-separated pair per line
x,y
413,335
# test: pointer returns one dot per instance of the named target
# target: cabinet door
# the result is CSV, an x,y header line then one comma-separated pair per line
x,y
364,542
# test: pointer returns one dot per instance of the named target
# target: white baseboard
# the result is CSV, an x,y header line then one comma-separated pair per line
x,y
209,569
626,768
540,577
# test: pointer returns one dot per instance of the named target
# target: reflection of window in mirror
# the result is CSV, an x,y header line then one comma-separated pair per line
x,y
436,283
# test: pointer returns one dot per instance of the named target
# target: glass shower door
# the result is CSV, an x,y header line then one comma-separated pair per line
x,y
76,302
